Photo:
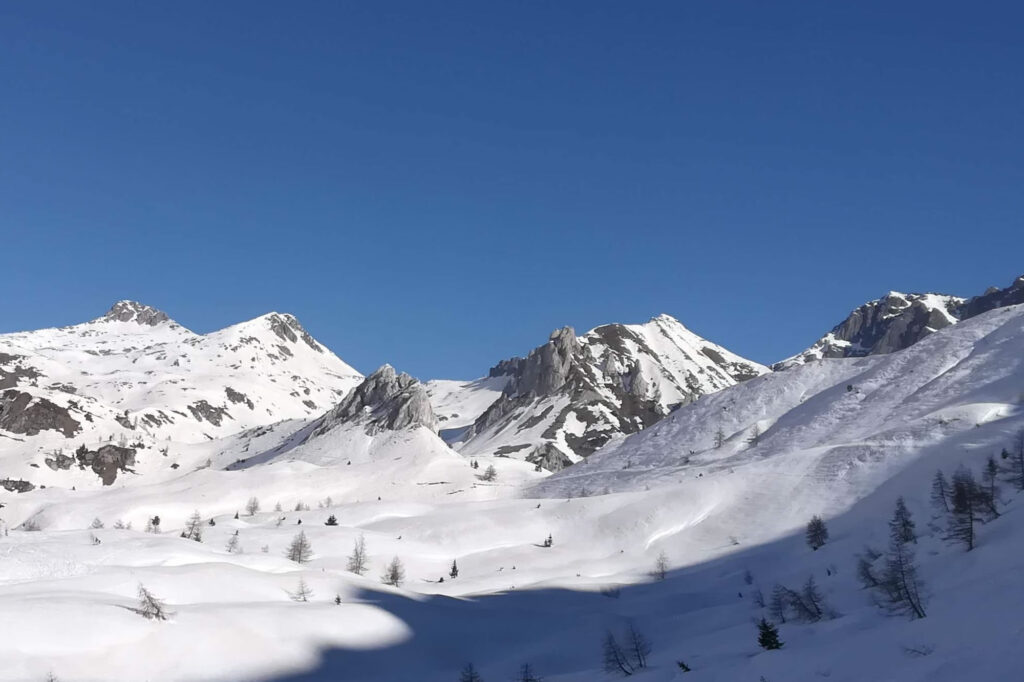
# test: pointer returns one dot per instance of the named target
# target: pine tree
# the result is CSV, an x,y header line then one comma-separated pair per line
x,y
332,520
150,607
232,547
469,674
817,533
813,600
755,435
940,492
902,524
454,573
777,607
768,635
357,560
490,473
97,524
866,568
300,551
719,437
193,528
394,573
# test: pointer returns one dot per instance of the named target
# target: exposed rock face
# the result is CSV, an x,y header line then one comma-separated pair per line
x,y
993,298
238,397
897,321
384,401
106,461
59,461
12,370
572,395
203,410
289,329
133,311
21,413
13,486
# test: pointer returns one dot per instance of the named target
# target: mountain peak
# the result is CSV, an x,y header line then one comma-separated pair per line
x,y
133,311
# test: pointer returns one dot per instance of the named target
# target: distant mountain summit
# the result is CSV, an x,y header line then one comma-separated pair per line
x,y
570,396
897,321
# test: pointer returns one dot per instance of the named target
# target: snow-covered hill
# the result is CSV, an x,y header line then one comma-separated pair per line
x,y
572,395
134,376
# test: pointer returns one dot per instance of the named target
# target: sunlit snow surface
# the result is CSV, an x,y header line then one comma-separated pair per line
x,y
842,438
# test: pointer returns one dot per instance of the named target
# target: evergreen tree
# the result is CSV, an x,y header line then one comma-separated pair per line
x,y
940,492
777,605
719,437
768,635
394,573
300,550
866,568
490,473
357,560
332,520
232,546
454,573
817,533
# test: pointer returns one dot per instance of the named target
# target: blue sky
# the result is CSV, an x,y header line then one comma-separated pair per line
x,y
438,185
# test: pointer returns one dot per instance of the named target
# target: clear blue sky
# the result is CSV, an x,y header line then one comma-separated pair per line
x,y
438,185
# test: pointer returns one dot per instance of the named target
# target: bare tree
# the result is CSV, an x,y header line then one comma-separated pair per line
x,y
991,491
660,567
252,506
233,546
866,568
357,560
1017,459
469,674
193,528
964,508
755,435
150,607
490,473
302,592
300,550
940,492
394,573
719,437
899,582
526,674
628,657
96,524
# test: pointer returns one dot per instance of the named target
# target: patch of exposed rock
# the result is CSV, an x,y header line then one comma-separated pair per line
x,y
107,461
139,313
384,400
21,413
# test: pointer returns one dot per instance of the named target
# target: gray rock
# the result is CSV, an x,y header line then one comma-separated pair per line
x,y
133,311
106,461
23,414
383,401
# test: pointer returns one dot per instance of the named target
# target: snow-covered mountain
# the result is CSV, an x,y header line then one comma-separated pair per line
x,y
572,395
134,376
897,321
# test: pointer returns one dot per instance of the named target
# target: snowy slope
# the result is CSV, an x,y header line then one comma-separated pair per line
x,y
457,404
574,394
840,437
135,376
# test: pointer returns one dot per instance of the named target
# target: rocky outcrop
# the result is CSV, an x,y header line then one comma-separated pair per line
x,y
12,370
59,461
107,461
201,410
572,395
21,413
288,328
16,486
897,321
993,298
384,401
139,313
